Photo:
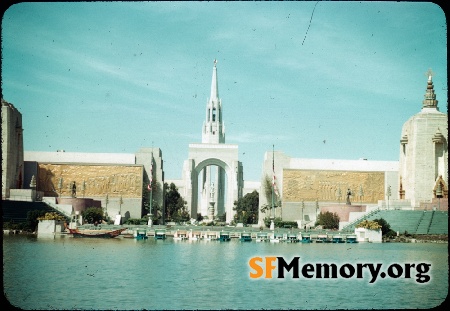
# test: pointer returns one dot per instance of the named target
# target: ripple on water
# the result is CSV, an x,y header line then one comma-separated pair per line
x,y
68,273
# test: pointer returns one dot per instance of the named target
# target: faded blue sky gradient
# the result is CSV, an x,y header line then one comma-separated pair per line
x,y
116,76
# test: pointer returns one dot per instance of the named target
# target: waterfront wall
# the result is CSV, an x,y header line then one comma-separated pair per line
x,y
79,204
49,227
367,235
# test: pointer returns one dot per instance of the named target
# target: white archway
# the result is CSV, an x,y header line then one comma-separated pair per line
x,y
225,157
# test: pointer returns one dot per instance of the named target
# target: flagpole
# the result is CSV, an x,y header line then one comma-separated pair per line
x,y
272,216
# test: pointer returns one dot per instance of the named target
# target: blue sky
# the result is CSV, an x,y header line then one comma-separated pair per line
x,y
332,80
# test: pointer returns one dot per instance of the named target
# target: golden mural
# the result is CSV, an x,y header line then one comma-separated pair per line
x,y
90,180
331,186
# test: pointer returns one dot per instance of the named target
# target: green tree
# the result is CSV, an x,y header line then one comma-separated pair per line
x,y
276,221
199,217
385,227
175,205
267,186
181,215
32,220
328,220
267,182
92,215
156,191
247,208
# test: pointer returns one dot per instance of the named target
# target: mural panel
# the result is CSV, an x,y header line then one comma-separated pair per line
x,y
98,180
331,186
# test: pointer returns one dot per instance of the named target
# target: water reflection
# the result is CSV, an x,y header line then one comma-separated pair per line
x,y
68,273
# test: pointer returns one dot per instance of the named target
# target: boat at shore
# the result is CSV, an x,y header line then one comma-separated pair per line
x,y
96,233
180,235
246,237
306,238
160,234
322,238
210,236
292,238
351,239
277,238
337,239
262,237
224,236
194,235
140,234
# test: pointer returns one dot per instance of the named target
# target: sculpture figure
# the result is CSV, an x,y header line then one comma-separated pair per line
x,y
74,190
349,193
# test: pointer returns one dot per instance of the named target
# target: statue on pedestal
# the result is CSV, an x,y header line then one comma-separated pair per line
x,y
74,190
349,193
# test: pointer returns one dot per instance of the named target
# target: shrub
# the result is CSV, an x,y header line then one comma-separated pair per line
x,y
369,224
199,217
291,224
92,215
328,220
385,227
32,220
391,234
279,223
136,221
52,216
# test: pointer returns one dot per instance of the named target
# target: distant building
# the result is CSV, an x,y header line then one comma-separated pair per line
x,y
304,187
12,149
212,177
119,181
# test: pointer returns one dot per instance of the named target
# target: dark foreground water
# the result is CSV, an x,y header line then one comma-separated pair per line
x,y
70,273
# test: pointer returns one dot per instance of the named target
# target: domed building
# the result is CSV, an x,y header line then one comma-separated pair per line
x,y
423,167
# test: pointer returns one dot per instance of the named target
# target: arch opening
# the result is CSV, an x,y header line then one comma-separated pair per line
x,y
208,172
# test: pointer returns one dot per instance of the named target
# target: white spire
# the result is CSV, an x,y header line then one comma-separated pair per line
x,y
214,83
213,130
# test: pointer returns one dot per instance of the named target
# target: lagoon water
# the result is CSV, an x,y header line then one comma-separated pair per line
x,y
67,273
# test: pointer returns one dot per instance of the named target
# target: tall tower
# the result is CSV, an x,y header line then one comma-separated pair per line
x,y
212,175
213,126
424,152
213,132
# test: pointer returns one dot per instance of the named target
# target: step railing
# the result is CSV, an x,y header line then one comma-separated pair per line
x,y
358,220
55,207
431,220
418,223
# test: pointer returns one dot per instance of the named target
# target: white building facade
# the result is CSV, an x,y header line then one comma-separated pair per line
x,y
118,180
12,149
420,176
212,177
424,153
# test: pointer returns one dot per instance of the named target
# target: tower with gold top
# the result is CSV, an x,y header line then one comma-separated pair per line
x,y
423,167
